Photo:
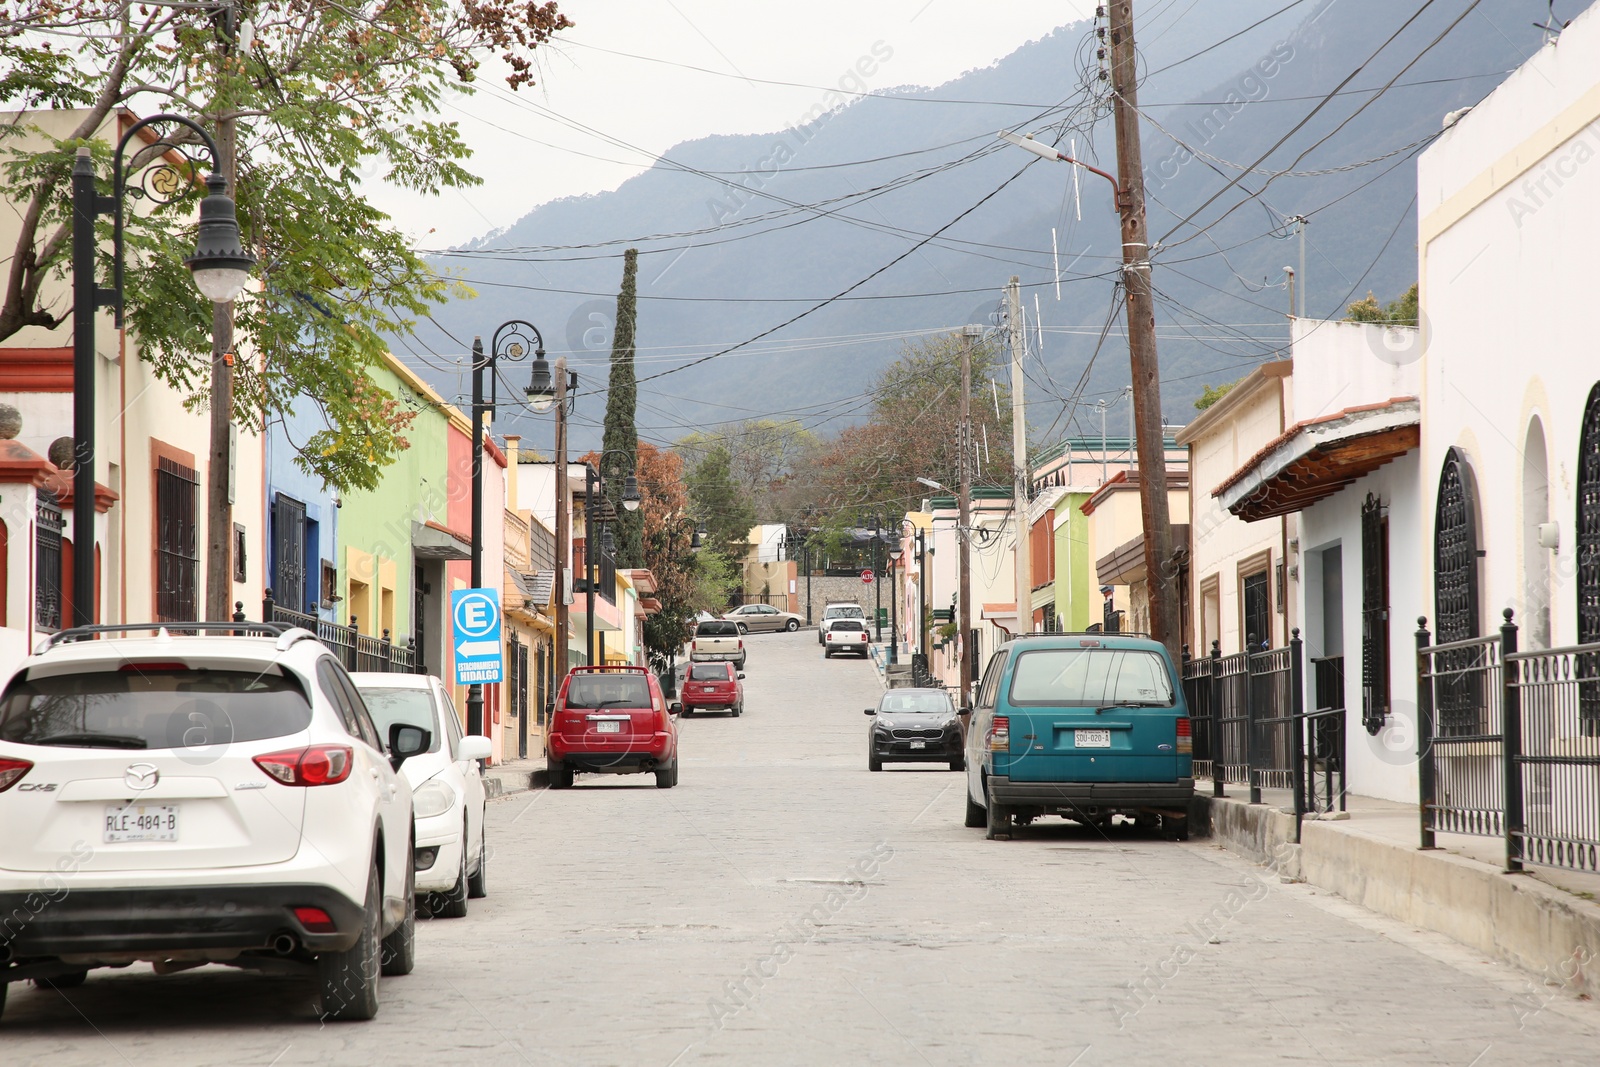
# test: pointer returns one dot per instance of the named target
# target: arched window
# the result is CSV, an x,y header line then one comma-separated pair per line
x,y
1588,536
1455,552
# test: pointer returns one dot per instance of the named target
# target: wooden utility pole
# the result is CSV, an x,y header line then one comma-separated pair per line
x,y
969,337
220,466
1142,361
563,541
1019,459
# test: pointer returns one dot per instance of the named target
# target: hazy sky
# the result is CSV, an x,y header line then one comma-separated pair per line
x,y
595,116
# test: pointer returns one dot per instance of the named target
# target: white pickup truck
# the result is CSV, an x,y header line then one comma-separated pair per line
x,y
716,639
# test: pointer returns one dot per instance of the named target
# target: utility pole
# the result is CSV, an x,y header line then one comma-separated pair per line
x,y
563,541
969,337
1019,459
1142,360
219,467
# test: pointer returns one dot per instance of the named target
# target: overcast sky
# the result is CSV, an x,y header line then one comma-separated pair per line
x,y
536,146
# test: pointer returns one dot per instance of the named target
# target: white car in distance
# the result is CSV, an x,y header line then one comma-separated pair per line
x,y
452,860
216,798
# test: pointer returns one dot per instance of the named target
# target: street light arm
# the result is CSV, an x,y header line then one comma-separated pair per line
x,y
1045,151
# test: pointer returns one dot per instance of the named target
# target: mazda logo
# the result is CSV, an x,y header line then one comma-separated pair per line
x,y
141,776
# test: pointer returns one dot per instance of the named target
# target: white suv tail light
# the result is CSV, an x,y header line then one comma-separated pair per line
x,y
11,771
313,765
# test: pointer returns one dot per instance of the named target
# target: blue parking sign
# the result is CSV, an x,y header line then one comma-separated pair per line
x,y
475,618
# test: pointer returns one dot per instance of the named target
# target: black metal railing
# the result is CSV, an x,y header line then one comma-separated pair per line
x,y
1275,706
1197,694
355,650
1231,728
1553,758
1325,722
1461,787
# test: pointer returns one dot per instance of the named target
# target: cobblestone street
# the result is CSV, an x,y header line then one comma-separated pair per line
x,y
784,905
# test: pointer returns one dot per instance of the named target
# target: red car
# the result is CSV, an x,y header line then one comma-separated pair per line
x,y
845,635
713,687
611,720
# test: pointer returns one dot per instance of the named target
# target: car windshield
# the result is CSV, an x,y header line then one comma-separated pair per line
x,y
709,672
412,707
916,704
845,625
1091,677
717,629
848,611
608,691
152,707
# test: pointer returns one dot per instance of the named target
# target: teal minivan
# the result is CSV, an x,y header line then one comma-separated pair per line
x,y
1083,726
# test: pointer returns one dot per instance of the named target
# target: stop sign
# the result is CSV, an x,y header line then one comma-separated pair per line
x,y
866,576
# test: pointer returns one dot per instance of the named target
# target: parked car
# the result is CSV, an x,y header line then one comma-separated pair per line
x,y
712,687
834,610
447,795
204,799
914,726
845,635
1084,726
754,618
717,640
611,720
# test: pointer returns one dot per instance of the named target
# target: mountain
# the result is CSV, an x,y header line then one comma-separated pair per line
x,y
739,234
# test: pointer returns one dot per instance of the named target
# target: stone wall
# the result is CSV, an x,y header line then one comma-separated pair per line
x,y
825,591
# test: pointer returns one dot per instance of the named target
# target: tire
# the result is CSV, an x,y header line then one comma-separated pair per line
x,y
744,630
737,709
349,979
62,981
668,778
559,773
959,763
688,712
399,951
793,625
976,816
478,883
453,901
827,653
873,762
997,819
3,987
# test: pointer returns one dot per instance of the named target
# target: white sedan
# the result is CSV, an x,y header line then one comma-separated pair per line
x,y
452,861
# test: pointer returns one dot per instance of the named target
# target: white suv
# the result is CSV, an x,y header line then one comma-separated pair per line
x,y
216,798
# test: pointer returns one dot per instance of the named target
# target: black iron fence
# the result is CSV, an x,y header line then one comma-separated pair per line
x,y
1197,694
1325,762
1507,748
356,650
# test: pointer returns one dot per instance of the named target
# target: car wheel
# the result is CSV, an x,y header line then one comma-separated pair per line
x,y
959,763
3,987
688,712
71,980
668,778
453,902
559,773
349,979
478,881
827,653
998,819
399,952
976,816
737,709
793,625
873,762
743,629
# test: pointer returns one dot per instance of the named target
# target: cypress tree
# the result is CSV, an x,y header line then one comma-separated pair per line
x,y
621,431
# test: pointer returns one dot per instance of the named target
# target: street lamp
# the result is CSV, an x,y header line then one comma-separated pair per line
x,y
511,342
220,266
894,600
592,480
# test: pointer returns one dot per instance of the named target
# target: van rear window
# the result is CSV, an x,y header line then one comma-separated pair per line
x,y
608,691
152,707
1091,677
709,672
717,629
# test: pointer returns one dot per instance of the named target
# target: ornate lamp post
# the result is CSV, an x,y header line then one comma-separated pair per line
x,y
592,481
894,601
545,390
220,265
511,342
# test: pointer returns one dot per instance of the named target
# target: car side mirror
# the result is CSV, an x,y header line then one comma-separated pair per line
x,y
741,676
406,741
965,711
474,747
675,708
870,711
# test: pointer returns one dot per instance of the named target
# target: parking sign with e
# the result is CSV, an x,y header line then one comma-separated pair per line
x,y
475,620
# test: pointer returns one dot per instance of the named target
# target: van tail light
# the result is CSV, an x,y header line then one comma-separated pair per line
x,y
1185,737
313,765
999,733
11,771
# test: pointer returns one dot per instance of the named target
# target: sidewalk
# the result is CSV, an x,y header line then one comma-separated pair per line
x,y
514,776
1545,920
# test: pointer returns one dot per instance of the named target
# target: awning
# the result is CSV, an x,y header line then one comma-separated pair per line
x,y
429,540
1313,460
1124,565
1002,615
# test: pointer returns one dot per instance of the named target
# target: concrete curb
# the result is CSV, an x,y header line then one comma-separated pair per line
x,y
517,776
1514,918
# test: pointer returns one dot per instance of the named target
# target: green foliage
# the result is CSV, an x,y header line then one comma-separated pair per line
x,y
1210,394
621,434
721,505
325,96
1401,312
761,453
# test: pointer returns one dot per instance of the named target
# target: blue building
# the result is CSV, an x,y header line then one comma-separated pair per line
x,y
302,521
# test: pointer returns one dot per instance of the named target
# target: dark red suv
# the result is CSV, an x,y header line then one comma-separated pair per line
x,y
713,687
611,720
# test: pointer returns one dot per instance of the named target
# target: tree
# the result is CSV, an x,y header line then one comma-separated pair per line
x,y
1401,312
760,453
721,505
1210,394
319,94
622,397
666,536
